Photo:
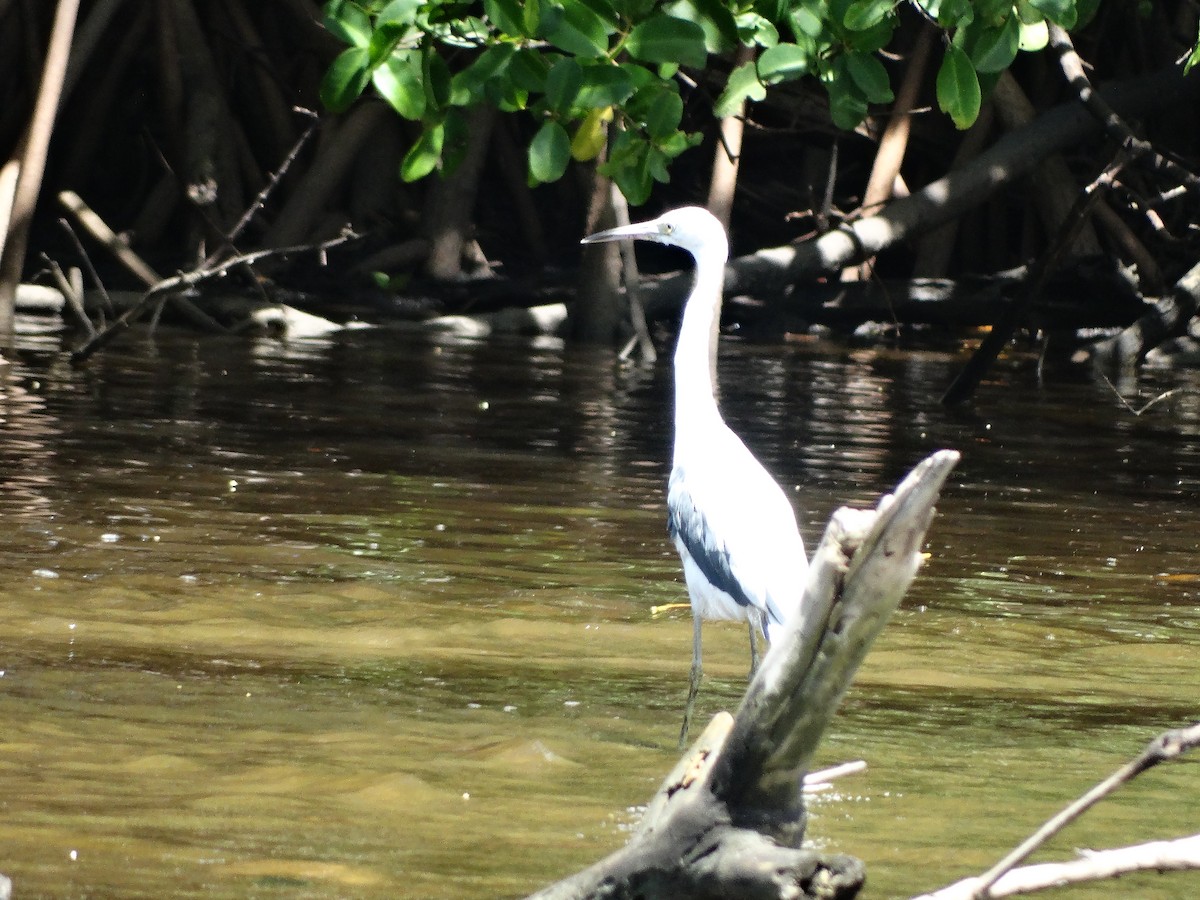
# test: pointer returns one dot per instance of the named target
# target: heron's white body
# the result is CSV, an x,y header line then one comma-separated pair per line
x,y
728,514
732,524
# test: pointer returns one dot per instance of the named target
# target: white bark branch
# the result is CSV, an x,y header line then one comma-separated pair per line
x,y
1181,854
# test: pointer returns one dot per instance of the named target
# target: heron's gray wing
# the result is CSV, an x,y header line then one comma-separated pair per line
x,y
689,524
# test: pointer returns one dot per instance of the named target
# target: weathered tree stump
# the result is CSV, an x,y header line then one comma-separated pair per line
x,y
729,820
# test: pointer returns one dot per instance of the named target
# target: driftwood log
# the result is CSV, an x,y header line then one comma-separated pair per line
x,y
729,820
769,272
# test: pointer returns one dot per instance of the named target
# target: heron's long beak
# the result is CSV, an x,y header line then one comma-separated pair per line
x,y
647,230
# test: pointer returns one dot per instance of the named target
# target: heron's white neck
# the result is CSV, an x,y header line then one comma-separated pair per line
x,y
696,355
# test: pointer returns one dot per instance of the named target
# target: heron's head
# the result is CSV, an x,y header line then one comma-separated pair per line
x,y
691,227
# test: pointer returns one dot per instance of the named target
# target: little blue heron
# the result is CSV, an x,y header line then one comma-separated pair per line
x,y
743,558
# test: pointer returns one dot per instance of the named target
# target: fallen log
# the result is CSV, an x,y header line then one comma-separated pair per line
x,y
1088,295
1168,317
729,820
769,272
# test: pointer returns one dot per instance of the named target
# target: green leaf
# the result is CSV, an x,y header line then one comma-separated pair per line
x,y
641,77
1085,11
949,13
847,106
1193,57
714,16
992,12
591,135
783,62
664,116
1027,14
578,30
1060,12
491,63
384,41
995,48
870,76
635,181
805,21
398,81
531,17
743,84
772,9
529,70
656,164
678,141
423,156
873,39
563,83
346,78
400,12
958,88
756,31
348,23
549,152
603,85
457,137
507,16
666,39
436,75
628,168
864,14
634,9
1034,36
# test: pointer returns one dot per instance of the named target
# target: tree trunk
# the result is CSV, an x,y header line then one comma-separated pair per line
x,y
894,142
450,202
728,154
597,311
1054,187
33,161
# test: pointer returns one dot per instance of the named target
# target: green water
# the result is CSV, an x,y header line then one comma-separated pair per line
x,y
371,618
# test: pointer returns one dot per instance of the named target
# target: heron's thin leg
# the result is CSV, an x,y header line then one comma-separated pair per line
x,y
755,651
693,683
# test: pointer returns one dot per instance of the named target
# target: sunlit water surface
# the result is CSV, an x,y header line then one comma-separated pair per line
x,y
371,618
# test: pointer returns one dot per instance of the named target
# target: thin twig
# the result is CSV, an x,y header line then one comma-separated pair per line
x,y
1167,746
823,217
116,245
272,181
87,264
74,300
1129,406
1116,128
186,281
820,780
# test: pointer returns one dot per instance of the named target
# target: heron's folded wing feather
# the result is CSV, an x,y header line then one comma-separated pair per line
x,y
688,523
742,535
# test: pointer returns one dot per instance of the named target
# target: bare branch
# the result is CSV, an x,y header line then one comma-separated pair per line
x,y
261,198
1181,854
1004,880
185,281
1114,126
